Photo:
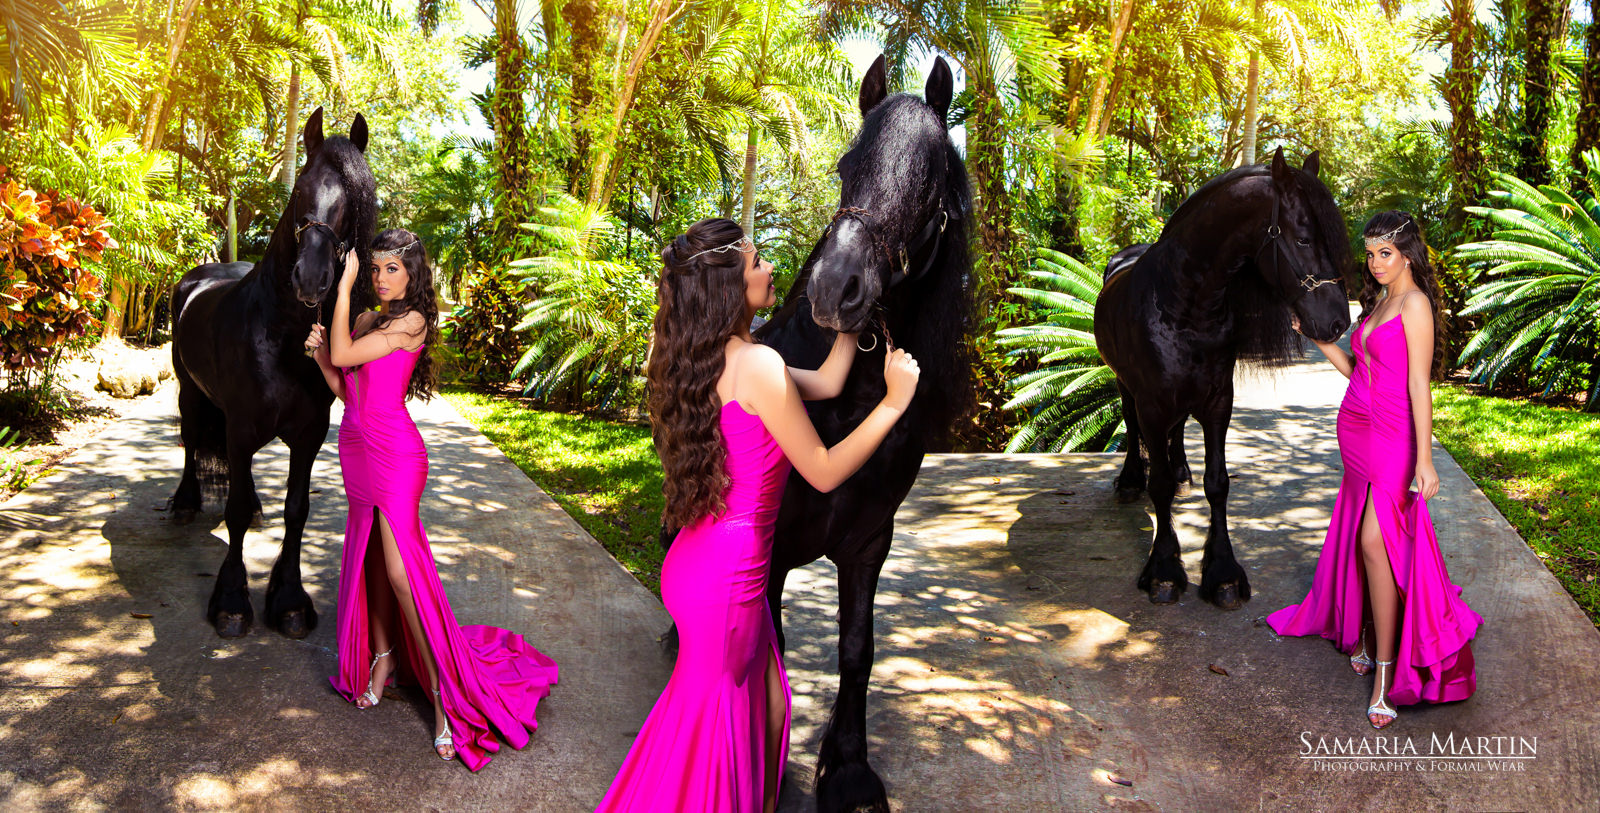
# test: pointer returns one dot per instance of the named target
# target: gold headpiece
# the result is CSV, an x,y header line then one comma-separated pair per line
x,y
742,245
1387,237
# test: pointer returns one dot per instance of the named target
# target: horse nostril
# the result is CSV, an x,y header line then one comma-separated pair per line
x,y
850,297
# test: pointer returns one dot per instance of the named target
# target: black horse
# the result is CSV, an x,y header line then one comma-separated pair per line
x,y
238,337
894,266
1242,254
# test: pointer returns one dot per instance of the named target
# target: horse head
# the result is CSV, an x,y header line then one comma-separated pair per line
x,y
899,193
1306,249
332,208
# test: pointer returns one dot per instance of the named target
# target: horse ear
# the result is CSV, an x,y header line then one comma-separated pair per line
x,y
313,131
358,133
941,86
874,86
1313,165
1282,175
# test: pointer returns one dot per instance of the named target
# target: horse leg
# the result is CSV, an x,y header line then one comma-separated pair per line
x,y
1130,483
199,420
844,779
229,609
1163,577
1179,458
289,608
775,581
1222,580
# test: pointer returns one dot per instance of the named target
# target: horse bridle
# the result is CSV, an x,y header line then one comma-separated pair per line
x,y
1308,282
340,244
931,237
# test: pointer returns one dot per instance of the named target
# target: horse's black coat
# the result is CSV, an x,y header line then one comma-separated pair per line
x,y
243,377
1235,260
881,269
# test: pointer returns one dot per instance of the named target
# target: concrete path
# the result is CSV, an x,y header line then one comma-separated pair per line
x,y
101,709
1018,668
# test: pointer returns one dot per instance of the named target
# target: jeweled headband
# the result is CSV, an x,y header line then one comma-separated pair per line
x,y
1387,237
391,253
741,245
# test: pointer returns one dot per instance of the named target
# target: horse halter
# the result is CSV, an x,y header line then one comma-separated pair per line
x,y
1308,282
930,237
310,223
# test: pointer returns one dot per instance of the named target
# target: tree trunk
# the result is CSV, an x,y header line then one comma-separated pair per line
x,y
601,178
291,131
1461,95
1252,103
1588,120
512,205
233,228
586,41
1537,75
111,328
748,218
1119,30
153,114
986,161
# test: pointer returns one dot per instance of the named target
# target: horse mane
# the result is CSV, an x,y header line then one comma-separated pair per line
x,y
1262,333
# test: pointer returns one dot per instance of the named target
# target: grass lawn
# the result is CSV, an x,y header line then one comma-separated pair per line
x,y
604,474
1536,463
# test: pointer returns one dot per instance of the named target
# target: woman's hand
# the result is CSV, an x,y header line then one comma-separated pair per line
x,y
1427,480
352,270
1294,322
900,373
317,342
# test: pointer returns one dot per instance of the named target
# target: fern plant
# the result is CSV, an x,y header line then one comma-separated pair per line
x,y
1540,301
589,328
1071,395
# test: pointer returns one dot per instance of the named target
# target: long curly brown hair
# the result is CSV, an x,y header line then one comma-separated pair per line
x,y
701,303
420,297
1414,247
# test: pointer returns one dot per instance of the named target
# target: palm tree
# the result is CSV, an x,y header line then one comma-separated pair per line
x,y
1071,397
47,43
1544,17
1459,30
590,328
1587,126
1291,24
1541,303
795,75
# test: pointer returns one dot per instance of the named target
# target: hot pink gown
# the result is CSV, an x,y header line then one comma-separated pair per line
x,y
491,680
703,747
1377,441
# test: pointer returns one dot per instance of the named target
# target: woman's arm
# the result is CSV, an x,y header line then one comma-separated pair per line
x,y
771,394
348,352
827,381
1417,319
1341,360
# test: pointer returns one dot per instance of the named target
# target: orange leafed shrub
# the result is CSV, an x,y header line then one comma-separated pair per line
x,y
45,292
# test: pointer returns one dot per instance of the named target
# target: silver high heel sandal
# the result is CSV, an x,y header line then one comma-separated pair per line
x,y
1381,709
1361,662
443,740
368,695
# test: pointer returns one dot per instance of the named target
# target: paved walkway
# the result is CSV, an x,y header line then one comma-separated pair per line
x,y
1018,668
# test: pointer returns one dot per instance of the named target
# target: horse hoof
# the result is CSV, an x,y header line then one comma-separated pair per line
x,y
1228,597
183,516
1129,495
1185,488
231,625
257,520
1165,593
293,625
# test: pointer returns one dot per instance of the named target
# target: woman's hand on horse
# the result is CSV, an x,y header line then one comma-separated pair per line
x,y
352,270
317,337
900,374
1427,480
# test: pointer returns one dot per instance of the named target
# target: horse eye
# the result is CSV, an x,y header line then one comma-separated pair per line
x,y
1303,242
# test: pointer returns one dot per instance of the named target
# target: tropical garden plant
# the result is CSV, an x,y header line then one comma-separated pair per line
x,y
1540,298
1070,396
589,330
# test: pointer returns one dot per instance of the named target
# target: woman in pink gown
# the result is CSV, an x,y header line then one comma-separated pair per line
x,y
482,680
728,421
1380,581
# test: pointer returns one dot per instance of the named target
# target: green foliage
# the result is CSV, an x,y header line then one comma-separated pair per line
x,y
77,51
1070,397
1540,300
14,472
1536,464
45,290
606,475
590,328
478,330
